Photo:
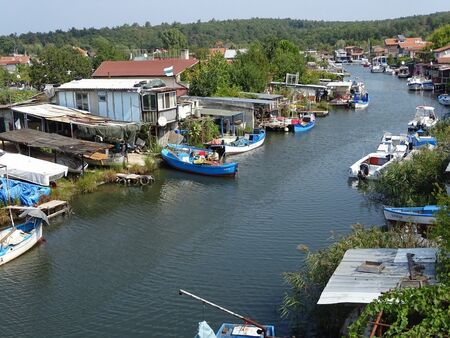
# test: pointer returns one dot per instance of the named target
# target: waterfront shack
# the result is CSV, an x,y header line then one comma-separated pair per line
x,y
169,69
364,274
70,122
131,100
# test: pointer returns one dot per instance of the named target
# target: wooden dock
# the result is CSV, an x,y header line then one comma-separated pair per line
x,y
51,209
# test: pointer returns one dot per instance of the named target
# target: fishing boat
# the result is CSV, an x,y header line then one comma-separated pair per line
x,y
197,160
417,215
360,101
18,239
249,328
420,83
424,119
421,138
396,145
371,166
305,122
237,145
403,72
444,99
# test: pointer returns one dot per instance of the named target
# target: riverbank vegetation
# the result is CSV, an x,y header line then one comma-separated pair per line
x,y
423,311
299,305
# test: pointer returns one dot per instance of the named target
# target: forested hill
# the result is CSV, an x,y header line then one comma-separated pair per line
x,y
306,33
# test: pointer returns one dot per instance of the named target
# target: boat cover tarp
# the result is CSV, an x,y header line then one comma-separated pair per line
x,y
205,331
31,169
110,133
28,193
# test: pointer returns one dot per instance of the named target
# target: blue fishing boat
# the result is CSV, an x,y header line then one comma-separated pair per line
x,y
18,239
244,331
420,139
306,122
249,328
417,215
197,160
360,101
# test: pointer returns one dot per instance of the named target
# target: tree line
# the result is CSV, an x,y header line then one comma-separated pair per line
x,y
228,33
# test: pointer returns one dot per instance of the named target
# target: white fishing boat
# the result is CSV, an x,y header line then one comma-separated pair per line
x,y
403,72
371,166
420,83
418,215
396,145
444,99
18,239
360,97
377,68
379,64
425,118
237,145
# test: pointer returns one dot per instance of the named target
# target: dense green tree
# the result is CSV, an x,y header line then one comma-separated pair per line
x,y
105,51
209,76
250,71
59,65
173,39
440,37
286,59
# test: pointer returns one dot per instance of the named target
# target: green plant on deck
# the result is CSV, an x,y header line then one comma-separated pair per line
x,y
200,131
409,312
307,283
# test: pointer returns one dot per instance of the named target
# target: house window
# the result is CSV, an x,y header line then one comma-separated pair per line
x,y
101,97
149,102
167,100
82,101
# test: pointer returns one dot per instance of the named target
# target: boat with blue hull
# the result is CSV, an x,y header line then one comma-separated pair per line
x,y
444,99
306,122
360,101
197,160
18,239
417,215
421,139
249,328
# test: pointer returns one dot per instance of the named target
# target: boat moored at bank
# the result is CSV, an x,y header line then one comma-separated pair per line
x,y
197,160
417,215
237,145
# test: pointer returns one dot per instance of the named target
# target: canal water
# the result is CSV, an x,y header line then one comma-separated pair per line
x,y
113,269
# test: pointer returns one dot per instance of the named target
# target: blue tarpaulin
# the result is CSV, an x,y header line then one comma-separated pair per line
x,y
27,193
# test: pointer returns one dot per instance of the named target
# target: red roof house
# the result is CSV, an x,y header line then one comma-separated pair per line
x,y
168,70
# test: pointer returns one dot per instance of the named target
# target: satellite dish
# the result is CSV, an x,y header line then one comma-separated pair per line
x,y
145,55
162,121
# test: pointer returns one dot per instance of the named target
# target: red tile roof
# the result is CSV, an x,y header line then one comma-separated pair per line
x,y
213,51
413,44
14,60
442,49
390,42
149,68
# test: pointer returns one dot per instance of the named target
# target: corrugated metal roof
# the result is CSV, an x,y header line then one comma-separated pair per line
x,y
347,285
231,100
218,112
94,84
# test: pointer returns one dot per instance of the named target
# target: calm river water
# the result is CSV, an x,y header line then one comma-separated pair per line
x,y
113,269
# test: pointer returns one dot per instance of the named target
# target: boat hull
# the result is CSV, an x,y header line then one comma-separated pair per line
x,y
444,99
227,169
397,215
228,330
19,249
298,128
235,150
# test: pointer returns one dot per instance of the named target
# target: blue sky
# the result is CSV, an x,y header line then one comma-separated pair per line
x,y
45,15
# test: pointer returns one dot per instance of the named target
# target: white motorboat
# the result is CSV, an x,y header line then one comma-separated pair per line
x,y
420,83
18,239
425,118
444,99
371,166
396,145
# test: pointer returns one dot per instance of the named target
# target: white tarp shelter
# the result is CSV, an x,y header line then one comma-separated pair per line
x,y
31,169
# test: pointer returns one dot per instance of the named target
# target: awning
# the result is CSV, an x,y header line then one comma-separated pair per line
x,y
38,139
